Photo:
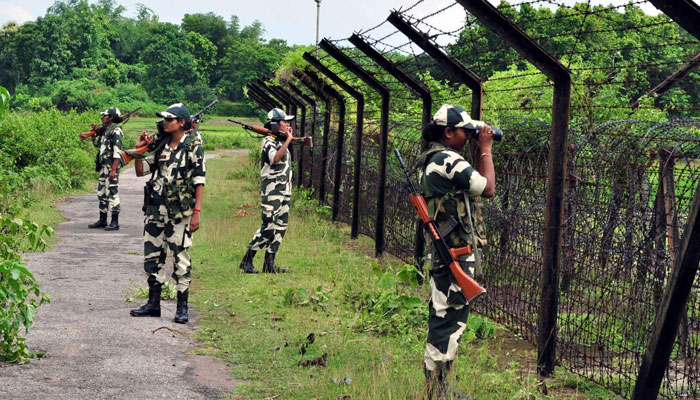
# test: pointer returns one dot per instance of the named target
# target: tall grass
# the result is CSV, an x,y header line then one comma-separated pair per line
x,y
259,323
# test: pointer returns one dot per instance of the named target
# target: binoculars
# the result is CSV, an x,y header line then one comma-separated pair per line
x,y
497,133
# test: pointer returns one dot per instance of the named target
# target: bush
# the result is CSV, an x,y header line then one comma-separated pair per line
x,y
42,146
230,109
130,93
17,284
80,94
198,95
19,291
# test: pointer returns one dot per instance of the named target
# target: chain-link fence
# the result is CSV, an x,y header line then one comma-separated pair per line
x,y
632,162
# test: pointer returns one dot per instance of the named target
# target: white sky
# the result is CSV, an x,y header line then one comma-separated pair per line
x,y
294,21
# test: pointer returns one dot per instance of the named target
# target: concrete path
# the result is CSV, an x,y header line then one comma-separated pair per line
x,y
94,349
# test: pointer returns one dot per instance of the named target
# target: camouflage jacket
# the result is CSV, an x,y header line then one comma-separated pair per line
x,y
109,144
274,172
198,136
449,182
174,175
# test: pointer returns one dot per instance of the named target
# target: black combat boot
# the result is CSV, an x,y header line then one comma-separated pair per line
x,y
101,223
270,267
152,308
247,263
114,225
436,387
181,313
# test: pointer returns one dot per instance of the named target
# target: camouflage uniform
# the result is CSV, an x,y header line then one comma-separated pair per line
x,y
198,136
449,182
170,197
109,144
275,193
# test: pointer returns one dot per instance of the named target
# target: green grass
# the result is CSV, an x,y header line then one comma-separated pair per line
x,y
217,132
252,322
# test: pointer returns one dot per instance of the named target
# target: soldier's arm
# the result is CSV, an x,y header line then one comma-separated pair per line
x,y
198,180
484,161
453,168
116,151
198,195
138,163
138,167
282,150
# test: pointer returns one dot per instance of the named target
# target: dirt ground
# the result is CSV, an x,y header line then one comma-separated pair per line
x,y
94,349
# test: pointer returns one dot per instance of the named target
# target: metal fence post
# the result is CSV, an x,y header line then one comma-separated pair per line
x,y
424,93
293,103
672,79
264,95
551,246
454,67
340,101
258,100
316,86
276,94
359,120
313,105
351,66
671,309
263,89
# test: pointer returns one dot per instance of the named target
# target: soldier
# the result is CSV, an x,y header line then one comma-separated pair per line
x,y
173,206
195,130
109,142
275,192
450,185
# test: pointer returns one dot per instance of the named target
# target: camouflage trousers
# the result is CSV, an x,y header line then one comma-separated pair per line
x,y
108,190
161,236
448,315
275,216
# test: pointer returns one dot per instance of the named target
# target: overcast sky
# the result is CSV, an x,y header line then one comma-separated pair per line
x,y
292,20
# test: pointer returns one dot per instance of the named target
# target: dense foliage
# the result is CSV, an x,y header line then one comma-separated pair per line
x,y
598,43
42,149
85,56
19,292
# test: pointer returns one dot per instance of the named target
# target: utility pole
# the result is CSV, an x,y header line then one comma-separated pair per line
x,y
318,15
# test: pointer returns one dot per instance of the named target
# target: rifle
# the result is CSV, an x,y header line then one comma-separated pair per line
x,y
262,132
197,118
127,116
94,129
158,140
447,255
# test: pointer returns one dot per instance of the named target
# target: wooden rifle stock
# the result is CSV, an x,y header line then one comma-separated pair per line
x,y
260,130
128,155
85,135
447,255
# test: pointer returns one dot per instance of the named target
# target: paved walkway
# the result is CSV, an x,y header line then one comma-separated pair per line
x,y
94,349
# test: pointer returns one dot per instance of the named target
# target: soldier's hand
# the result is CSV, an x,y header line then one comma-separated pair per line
x,y
288,134
194,222
143,139
485,138
112,174
93,127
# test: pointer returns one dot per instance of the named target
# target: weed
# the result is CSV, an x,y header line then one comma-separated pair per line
x,y
168,292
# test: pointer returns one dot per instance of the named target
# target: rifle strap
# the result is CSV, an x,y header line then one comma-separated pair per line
x,y
477,256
